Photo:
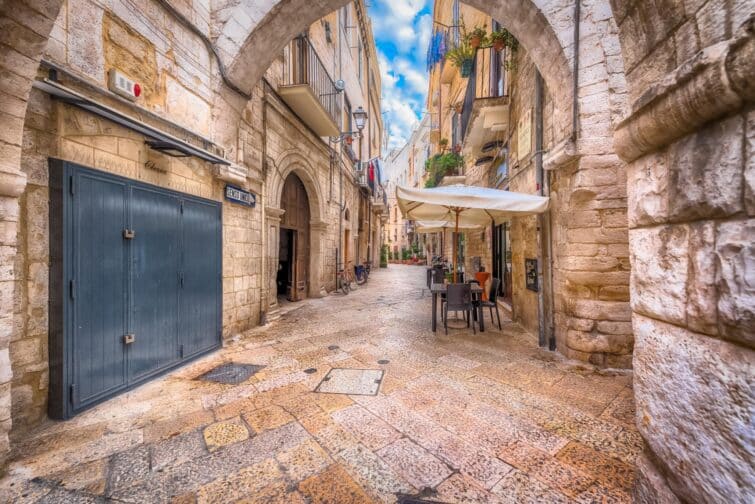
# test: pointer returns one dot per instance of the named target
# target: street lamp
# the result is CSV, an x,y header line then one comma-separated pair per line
x,y
360,118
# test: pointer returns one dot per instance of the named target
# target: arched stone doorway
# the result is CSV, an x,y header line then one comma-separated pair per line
x,y
295,203
292,277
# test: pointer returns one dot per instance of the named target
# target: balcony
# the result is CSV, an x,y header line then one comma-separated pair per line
x,y
484,118
308,89
434,129
360,175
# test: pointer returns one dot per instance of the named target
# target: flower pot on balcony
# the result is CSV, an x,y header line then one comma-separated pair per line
x,y
498,45
466,68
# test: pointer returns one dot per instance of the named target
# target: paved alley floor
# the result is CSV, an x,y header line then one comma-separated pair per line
x,y
459,418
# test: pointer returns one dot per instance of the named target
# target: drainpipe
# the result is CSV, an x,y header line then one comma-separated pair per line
x,y
542,330
575,81
265,227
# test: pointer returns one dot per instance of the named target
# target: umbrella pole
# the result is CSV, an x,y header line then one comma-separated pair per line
x,y
456,244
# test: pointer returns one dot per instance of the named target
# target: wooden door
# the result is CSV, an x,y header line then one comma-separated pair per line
x,y
295,202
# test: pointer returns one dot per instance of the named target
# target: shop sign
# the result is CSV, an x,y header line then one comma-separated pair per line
x,y
524,135
238,195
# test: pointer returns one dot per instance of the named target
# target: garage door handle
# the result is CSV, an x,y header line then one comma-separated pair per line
x,y
129,234
129,338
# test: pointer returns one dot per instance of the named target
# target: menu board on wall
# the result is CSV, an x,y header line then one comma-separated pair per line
x,y
524,135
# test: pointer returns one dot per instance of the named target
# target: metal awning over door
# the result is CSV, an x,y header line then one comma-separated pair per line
x,y
135,283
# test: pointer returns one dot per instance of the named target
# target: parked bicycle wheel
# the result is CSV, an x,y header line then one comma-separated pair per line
x,y
361,275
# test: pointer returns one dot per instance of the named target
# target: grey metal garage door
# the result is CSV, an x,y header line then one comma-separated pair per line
x,y
135,285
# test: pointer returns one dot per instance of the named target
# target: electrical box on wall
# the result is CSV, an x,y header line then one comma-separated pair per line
x,y
121,84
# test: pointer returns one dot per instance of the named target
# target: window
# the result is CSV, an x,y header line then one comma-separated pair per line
x,y
456,138
345,19
347,112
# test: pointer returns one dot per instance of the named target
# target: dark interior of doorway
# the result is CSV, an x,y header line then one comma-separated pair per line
x,y
287,264
502,260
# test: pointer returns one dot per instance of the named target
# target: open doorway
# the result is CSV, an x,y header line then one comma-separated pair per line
x,y
286,278
292,278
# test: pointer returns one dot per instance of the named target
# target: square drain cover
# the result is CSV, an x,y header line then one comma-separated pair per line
x,y
351,381
230,373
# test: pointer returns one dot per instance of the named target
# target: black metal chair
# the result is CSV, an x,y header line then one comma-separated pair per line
x,y
492,301
459,298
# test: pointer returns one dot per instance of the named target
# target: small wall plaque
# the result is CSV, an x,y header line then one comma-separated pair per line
x,y
238,195
530,274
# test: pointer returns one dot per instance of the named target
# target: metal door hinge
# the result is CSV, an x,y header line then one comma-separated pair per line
x,y
72,289
129,338
129,234
72,392
71,188
181,279
182,207
181,351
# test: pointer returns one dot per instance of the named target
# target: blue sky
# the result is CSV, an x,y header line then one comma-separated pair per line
x,y
402,32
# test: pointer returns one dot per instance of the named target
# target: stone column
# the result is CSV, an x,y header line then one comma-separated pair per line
x,y
272,226
12,183
690,145
316,232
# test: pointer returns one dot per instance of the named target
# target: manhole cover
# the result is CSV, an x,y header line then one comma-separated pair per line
x,y
383,361
230,373
351,381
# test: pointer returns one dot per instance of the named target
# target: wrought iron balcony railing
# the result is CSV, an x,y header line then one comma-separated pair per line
x,y
302,65
488,80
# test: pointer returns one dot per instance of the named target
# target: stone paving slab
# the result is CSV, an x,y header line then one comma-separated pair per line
x,y
461,418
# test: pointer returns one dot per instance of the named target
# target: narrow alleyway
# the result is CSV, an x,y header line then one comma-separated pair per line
x,y
458,418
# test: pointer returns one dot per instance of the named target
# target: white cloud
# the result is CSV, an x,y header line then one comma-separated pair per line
x,y
401,31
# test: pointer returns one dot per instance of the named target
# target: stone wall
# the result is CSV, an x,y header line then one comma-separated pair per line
x,y
692,229
176,72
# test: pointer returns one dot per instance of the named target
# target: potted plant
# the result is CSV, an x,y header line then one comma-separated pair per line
x,y
477,37
462,57
457,149
503,38
443,143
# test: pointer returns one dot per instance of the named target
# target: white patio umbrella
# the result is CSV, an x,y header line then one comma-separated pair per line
x,y
466,206
439,226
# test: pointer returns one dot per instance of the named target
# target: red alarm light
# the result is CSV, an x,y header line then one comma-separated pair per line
x,y
137,90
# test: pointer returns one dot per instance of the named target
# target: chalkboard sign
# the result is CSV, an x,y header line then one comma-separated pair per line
x,y
238,195
530,274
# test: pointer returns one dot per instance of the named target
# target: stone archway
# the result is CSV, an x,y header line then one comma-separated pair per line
x,y
592,307
293,163
689,65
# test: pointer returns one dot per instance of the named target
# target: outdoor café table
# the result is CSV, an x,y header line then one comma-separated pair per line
x,y
436,289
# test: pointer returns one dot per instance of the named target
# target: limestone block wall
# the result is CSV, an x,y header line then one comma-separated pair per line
x,y
689,141
62,131
177,76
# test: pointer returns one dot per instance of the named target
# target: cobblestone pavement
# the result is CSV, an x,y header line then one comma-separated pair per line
x,y
458,418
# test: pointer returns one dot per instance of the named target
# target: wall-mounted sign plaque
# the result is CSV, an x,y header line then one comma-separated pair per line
x,y
238,195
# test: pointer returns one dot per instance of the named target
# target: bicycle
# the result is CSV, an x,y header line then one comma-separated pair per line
x,y
346,278
360,272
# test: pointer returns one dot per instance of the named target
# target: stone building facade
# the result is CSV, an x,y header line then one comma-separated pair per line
x,y
160,49
655,84
405,167
493,119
